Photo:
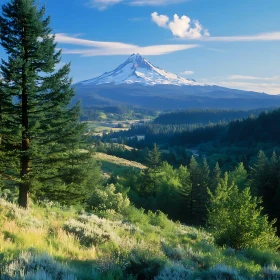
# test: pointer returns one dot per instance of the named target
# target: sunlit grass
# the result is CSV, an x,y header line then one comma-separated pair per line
x,y
115,246
119,161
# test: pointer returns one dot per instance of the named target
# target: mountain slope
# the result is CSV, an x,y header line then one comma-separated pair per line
x,y
137,69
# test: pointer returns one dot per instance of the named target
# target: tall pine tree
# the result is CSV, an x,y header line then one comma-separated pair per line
x,y
41,131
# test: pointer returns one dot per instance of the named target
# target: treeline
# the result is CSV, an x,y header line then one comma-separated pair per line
x,y
264,128
253,129
205,116
154,133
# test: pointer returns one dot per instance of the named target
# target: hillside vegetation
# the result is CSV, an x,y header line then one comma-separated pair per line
x,y
118,161
52,242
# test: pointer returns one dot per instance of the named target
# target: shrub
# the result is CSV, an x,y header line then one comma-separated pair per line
x,y
222,271
111,267
88,234
21,216
174,271
145,263
107,198
176,254
263,258
236,221
160,219
271,272
30,266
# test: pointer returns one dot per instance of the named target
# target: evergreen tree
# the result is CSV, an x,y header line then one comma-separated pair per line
x,y
41,131
199,175
239,177
236,221
273,195
185,192
259,177
149,175
216,177
153,159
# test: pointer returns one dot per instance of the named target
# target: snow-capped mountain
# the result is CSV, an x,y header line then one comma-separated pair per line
x,y
137,82
138,70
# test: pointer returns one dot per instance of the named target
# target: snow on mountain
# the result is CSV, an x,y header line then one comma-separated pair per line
x,y
137,69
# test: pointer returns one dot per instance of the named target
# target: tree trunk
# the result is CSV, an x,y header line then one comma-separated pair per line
x,y
24,186
25,161
23,197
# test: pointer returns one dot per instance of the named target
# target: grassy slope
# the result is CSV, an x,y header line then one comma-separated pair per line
x,y
85,246
116,164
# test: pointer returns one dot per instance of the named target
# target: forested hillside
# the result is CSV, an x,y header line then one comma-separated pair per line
x,y
196,116
261,129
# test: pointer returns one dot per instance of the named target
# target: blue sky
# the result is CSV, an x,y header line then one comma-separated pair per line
x,y
229,43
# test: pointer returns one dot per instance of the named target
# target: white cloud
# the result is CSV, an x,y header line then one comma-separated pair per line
x,y
182,27
64,38
104,4
154,2
188,72
98,48
270,85
270,88
254,78
160,20
270,36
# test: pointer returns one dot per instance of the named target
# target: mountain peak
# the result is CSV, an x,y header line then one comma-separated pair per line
x,y
138,70
136,55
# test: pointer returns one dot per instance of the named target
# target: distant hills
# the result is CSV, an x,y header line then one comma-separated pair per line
x,y
138,82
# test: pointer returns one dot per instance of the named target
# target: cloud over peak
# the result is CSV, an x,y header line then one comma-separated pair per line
x,y
182,27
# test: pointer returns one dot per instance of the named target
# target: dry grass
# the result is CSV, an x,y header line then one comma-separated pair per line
x,y
119,161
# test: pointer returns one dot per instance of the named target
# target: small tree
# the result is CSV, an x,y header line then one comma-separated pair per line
x,y
149,178
153,160
235,219
199,177
239,176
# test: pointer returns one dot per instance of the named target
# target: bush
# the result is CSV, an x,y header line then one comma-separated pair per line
x,y
88,234
107,198
21,216
235,219
174,271
271,272
30,266
222,271
160,219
